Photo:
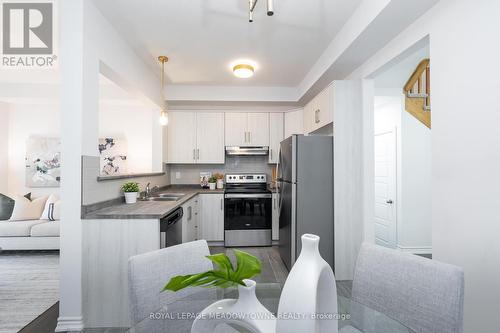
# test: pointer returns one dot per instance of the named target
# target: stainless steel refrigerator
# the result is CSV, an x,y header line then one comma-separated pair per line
x,y
305,186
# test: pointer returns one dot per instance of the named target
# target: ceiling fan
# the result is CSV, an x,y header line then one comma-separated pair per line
x,y
253,3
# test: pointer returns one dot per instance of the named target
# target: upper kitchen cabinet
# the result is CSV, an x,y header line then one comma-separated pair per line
x,y
258,129
276,123
195,138
247,129
319,111
210,138
236,128
181,137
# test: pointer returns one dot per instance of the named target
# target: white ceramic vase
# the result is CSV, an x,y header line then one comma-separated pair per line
x,y
211,186
309,291
220,184
130,197
245,313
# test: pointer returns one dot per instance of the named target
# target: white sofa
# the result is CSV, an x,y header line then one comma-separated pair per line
x,y
29,235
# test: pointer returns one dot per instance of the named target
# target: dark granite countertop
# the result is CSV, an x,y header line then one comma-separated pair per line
x,y
150,209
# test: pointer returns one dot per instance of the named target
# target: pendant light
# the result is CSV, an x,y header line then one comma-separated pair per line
x,y
163,114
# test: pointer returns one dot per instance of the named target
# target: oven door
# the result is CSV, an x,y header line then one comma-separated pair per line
x,y
247,211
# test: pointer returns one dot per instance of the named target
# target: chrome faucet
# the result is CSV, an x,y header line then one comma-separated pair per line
x,y
148,191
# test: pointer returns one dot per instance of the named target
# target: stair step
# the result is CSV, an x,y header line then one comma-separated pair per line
x,y
421,95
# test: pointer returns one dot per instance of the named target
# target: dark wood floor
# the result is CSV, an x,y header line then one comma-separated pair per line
x,y
45,323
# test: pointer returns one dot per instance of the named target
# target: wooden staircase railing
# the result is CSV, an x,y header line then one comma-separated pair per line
x,y
418,93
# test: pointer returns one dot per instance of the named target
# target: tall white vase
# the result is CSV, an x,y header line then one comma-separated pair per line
x,y
245,313
310,291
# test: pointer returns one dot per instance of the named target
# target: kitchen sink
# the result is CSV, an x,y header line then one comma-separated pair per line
x,y
168,195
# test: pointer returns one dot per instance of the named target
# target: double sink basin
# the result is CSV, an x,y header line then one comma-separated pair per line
x,y
169,196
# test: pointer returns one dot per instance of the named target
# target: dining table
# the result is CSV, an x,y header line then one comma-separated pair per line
x,y
177,316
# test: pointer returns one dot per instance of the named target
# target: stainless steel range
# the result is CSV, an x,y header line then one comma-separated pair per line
x,y
247,210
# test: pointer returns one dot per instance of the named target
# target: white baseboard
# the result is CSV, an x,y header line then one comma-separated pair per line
x,y
69,324
416,249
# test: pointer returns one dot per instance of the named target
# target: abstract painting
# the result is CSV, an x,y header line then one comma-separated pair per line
x,y
43,162
113,156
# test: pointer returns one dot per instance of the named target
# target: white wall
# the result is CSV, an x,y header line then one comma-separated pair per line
x,y
465,144
27,120
89,45
415,227
135,124
4,147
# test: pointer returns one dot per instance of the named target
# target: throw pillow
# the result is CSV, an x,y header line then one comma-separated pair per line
x,y
55,211
27,210
51,200
7,206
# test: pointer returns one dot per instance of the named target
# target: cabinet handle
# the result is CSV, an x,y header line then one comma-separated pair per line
x,y
274,201
194,154
249,137
271,151
221,204
198,154
316,116
189,213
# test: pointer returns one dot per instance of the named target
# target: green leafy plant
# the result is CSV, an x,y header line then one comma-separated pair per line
x,y
130,187
212,179
224,276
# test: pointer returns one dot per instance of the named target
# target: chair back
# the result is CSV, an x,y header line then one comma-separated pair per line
x,y
149,272
422,294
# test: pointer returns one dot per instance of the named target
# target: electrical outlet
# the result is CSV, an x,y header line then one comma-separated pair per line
x,y
178,175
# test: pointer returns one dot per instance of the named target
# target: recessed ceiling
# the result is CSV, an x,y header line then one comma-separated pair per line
x,y
203,37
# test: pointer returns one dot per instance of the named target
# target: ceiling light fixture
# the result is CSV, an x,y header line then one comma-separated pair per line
x,y
163,114
253,3
243,71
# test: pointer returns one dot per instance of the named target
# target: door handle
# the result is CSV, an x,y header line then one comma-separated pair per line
x,y
389,202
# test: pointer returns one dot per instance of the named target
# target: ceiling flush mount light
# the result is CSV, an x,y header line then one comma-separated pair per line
x,y
163,114
243,71
253,3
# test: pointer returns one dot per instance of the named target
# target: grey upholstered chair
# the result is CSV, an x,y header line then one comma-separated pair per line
x,y
149,272
423,294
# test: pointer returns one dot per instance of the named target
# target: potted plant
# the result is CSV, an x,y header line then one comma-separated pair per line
x,y
211,182
130,189
220,180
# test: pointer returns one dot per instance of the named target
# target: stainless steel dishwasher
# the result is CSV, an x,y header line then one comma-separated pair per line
x,y
171,228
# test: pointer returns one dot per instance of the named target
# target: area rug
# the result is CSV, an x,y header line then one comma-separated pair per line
x,y
29,285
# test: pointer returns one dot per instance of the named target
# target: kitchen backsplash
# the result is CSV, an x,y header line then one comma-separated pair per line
x,y
190,173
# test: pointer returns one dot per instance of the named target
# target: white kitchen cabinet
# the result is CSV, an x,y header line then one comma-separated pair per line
x,y
190,220
294,123
210,137
258,129
247,129
276,124
236,133
319,111
211,217
195,138
276,218
181,137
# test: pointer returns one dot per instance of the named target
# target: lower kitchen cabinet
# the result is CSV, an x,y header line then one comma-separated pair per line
x,y
276,217
190,220
211,217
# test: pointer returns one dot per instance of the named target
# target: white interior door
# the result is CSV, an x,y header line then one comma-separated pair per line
x,y
385,189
